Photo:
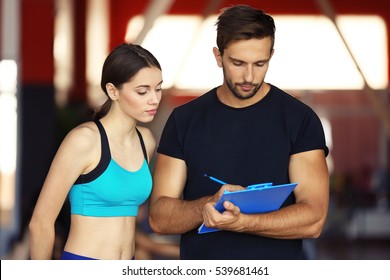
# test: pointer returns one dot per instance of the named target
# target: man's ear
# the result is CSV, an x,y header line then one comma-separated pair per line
x,y
218,56
112,91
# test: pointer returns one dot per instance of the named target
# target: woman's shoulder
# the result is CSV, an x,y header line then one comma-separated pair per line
x,y
83,136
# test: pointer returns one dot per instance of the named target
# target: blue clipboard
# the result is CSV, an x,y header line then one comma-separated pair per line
x,y
260,198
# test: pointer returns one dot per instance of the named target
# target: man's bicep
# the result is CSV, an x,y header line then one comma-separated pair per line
x,y
310,171
169,177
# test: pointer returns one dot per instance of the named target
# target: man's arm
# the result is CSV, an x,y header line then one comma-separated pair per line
x,y
168,213
304,219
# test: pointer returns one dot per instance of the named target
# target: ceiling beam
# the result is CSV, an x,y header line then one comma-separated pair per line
x,y
380,107
154,9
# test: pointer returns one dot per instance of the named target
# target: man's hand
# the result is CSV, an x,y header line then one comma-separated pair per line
x,y
224,188
228,219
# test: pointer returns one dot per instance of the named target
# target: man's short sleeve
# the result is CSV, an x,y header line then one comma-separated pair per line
x,y
170,143
311,135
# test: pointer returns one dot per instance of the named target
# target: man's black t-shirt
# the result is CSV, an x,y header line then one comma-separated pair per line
x,y
242,146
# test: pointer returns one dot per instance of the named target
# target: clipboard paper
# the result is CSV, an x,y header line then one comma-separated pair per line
x,y
260,198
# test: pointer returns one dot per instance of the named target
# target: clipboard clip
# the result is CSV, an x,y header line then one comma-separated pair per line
x,y
259,186
254,187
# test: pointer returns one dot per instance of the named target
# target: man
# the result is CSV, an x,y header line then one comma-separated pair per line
x,y
243,132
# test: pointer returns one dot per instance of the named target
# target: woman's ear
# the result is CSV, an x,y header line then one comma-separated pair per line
x,y
112,91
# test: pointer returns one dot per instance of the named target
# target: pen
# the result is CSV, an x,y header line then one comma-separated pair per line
x,y
215,179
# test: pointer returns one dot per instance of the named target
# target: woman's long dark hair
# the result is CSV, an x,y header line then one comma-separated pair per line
x,y
120,66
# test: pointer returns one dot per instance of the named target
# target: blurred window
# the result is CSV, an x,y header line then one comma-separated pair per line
x,y
310,53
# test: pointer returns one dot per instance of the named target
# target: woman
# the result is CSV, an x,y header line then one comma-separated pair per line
x,y
103,165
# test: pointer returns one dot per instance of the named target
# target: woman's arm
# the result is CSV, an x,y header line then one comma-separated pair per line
x,y
72,159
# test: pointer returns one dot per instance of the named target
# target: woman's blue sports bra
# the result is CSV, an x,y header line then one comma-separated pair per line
x,y
110,190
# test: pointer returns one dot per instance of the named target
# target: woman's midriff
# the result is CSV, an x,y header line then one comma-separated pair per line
x,y
108,238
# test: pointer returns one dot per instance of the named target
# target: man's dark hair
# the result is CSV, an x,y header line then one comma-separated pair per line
x,y
242,22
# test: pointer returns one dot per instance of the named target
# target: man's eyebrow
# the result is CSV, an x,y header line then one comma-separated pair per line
x,y
235,59
239,60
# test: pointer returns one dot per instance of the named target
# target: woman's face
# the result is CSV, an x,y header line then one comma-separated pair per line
x,y
139,98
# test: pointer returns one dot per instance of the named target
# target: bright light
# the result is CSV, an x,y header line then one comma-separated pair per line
x,y
63,50
134,28
169,40
368,41
8,124
8,133
8,80
201,61
8,75
329,142
97,42
309,52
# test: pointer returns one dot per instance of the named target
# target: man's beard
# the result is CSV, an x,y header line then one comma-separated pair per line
x,y
236,93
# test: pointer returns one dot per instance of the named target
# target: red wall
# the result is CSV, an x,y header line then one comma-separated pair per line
x,y
37,30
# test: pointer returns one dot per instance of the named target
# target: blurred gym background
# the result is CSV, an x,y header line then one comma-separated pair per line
x,y
332,55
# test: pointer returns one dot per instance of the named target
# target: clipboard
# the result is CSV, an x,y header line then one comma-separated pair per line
x,y
259,198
